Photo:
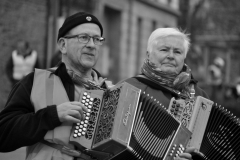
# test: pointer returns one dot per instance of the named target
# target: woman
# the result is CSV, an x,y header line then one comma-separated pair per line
x,y
164,73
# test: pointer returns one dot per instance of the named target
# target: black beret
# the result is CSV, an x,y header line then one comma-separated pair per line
x,y
77,19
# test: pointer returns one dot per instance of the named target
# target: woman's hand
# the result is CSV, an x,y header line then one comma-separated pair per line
x,y
189,154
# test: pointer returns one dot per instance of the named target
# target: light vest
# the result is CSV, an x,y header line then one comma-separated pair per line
x,y
47,90
23,66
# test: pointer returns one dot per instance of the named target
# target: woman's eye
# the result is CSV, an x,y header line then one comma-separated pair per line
x,y
178,52
164,50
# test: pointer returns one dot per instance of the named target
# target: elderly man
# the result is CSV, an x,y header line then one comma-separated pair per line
x,y
42,107
164,74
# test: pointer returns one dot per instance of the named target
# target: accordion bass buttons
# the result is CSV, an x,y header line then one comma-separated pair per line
x,y
176,150
80,128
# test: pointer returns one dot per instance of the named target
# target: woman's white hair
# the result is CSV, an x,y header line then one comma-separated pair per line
x,y
165,32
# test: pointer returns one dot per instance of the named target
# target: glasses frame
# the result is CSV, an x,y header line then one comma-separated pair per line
x,y
89,37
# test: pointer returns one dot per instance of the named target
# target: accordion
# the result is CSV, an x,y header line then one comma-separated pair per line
x,y
124,123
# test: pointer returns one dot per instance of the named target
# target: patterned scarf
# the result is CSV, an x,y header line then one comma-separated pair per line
x,y
88,84
178,82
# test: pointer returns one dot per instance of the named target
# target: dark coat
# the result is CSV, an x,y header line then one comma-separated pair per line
x,y
160,93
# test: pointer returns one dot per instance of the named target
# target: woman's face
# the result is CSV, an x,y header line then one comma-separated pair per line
x,y
168,54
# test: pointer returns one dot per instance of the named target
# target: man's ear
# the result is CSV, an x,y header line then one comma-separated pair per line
x,y
62,45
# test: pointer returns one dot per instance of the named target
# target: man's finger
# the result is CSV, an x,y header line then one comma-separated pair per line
x,y
72,119
76,114
79,106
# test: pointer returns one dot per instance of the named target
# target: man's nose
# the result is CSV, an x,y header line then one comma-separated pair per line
x,y
90,43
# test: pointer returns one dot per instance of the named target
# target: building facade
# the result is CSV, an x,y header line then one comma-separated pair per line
x,y
127,26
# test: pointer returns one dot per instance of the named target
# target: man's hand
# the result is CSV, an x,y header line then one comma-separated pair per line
x,y
71,112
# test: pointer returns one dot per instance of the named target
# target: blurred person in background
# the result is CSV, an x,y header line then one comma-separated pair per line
x,y
43,106
23,60
164,73
216,78
216,71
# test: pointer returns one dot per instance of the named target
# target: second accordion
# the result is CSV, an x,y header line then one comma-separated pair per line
x,y
125,123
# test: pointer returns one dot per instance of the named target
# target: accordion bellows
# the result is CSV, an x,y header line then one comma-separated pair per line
x,y
124,123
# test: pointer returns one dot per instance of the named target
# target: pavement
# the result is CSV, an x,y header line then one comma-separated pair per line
x,y
18,154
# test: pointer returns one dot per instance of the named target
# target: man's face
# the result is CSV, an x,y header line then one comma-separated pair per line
x,y
168,54
81,55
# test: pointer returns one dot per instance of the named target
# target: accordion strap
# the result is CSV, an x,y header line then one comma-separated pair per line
x,y
152,84
67,150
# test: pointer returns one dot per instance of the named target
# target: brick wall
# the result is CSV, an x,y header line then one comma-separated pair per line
x,y
20,19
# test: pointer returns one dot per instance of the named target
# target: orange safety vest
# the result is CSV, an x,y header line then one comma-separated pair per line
x,y
48,90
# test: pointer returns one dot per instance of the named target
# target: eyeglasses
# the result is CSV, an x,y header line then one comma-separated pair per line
x,y
84,38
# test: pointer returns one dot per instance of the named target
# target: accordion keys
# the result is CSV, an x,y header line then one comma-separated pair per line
x,y
192,113
82,133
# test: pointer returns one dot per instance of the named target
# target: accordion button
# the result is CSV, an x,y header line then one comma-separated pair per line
x,y
89,110
84,129
87,100
80,130
91,99
83,133
77,127
89,106
75,135
82,122
90,103
78,124
174,102
83,101
79,134
85,125
76,131
85,93
88,114
81,126
88,96
84,97
86,104
87,118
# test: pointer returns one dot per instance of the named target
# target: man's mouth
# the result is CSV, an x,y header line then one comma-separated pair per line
x,y
89,54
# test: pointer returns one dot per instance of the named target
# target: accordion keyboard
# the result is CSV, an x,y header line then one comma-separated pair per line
x,y
81,128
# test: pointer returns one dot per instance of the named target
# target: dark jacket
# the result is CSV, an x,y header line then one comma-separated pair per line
x,y
20,125
160,93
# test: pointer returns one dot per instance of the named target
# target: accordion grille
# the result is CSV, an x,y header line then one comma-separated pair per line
x,y
106,118
146,137
221,138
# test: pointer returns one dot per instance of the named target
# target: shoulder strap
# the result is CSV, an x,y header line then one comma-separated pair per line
x,y
154,85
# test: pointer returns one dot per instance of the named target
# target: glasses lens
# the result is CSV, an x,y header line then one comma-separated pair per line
x,y
98,40
83,38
